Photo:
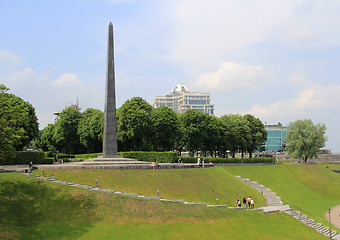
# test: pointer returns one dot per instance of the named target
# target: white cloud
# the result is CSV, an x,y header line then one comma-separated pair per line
x,y
8,61
8,56
300,81
208,33
48,95
311,101
233,76
66,79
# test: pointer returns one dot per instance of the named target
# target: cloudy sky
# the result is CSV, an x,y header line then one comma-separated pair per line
x,y
278,60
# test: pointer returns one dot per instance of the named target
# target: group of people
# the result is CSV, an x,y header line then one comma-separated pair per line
x,y
154,165
247,202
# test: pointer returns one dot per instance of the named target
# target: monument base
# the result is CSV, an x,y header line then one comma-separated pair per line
x,y
113,158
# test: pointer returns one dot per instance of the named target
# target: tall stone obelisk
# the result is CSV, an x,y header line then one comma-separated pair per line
x,y
110,121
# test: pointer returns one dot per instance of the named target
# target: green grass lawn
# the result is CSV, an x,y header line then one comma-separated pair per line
x,y
332,166
35,209
311,189
196,185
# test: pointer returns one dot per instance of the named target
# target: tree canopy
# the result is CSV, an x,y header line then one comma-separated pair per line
x,y
90,130
18,123
304,139
166,129
140,127
134,125
65,134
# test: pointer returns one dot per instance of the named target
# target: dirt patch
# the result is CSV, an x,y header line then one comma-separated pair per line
x,y
335,216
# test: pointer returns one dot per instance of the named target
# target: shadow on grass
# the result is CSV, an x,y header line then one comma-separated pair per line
x,y
34,210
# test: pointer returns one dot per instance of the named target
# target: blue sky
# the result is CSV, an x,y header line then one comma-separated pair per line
x,y
278,60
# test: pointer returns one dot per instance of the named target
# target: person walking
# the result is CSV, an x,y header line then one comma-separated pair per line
x,y
203,162
238,202
244,201
252,203
248,201
198,162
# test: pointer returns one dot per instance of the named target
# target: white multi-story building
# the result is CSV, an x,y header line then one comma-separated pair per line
x,y
181,100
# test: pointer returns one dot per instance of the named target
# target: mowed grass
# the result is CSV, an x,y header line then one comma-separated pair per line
x,y
194,185
311,189
34,209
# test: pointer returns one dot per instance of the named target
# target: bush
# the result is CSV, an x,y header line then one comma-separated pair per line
x,y
87,156
164,157
24,157
65,157
227,160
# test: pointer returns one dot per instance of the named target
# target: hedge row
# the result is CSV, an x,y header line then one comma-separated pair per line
x,y
87,156
227,160
164,157
25,157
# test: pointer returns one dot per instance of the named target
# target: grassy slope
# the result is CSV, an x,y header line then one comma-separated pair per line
x,y
33,209
311,189
332,166
198,185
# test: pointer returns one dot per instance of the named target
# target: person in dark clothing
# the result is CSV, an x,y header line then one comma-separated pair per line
x,y
244,202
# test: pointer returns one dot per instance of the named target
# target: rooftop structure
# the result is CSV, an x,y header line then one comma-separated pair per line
x,y
75,106
181,100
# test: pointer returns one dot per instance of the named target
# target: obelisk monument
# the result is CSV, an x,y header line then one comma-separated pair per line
x,y
110,121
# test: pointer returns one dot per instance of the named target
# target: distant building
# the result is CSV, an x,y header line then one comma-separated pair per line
x,y
276,138
75,106
181,100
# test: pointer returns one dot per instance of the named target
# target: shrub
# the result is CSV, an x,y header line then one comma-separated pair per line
x,y
227,160
164,157
24,157
87,156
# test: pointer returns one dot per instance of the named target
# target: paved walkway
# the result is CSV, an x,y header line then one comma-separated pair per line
x,y
335,216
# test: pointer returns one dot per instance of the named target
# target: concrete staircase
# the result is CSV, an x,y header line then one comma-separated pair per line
x,y
274,203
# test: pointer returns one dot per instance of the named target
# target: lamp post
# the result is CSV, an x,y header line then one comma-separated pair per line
x,y
329,219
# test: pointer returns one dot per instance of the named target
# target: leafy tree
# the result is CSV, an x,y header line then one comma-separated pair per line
x,y
214,134
195,127
166,129
90,130
134,125
304,139
238,133
18,122
65,134
45,141
7,119
258,134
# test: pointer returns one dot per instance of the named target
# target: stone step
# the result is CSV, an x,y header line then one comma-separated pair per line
x,y
200,204
168,200
110,163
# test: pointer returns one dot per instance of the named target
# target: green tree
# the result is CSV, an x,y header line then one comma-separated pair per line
x,y
237,133
134,125
195,129
166,129
214,135
90,130
7,120
258,134
18,121
304,139
65,134
45,141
